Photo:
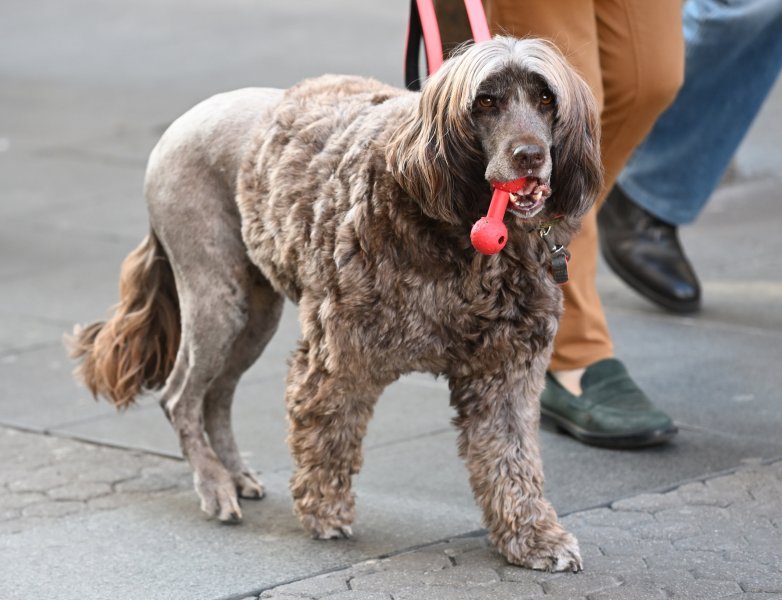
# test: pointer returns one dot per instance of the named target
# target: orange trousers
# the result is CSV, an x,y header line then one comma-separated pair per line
x,y
631,53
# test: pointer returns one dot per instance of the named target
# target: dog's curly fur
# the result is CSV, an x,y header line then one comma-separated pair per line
x,y
355,199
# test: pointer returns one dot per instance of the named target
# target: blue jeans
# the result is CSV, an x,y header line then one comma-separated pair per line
x,y
733,56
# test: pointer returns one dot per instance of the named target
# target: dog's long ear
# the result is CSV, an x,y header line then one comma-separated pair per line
x,y
577,178
434,154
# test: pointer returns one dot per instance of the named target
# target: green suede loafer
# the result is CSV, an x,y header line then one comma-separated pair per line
x,y
611,412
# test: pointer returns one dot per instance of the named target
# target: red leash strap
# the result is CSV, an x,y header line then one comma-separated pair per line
x,y
477,18
423,25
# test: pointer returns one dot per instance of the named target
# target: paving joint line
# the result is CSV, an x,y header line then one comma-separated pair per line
x,y
698,322
22,350
53,429
99,444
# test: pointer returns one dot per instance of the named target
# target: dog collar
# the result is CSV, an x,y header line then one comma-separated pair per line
x,y
559,253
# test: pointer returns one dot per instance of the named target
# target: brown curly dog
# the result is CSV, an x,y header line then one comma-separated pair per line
x,y
355,200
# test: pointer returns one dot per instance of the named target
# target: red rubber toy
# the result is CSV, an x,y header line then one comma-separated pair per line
x,y
489,234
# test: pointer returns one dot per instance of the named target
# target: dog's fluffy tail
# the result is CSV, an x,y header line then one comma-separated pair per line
x,y
135,349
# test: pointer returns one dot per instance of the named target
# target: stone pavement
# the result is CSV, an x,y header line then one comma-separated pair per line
x,y
716,538
95,504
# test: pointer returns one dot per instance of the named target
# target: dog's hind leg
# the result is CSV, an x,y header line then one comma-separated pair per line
x,y
498,422
217,328
206,343
228,312
265,308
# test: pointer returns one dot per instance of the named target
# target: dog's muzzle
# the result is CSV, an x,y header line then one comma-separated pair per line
x,y
529,200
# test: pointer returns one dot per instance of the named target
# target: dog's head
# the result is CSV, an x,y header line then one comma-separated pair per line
x,y
496,112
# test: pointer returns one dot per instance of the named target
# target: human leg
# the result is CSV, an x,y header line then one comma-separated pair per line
x,y
571,25
611,43
629,52
733,57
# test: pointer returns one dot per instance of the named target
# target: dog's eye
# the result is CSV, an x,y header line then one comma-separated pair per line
x,y
486,102
546,97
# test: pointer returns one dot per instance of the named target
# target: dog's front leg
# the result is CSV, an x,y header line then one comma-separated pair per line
x,y
328,413
498,418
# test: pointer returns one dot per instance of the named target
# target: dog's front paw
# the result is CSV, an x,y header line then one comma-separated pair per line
x,y
218,497
322,528
335,533
326,522
548,549
325,509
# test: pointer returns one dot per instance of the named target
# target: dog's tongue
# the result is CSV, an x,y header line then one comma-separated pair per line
x,y
511,187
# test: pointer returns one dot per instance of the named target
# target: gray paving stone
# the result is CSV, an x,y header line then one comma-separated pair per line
x,y
40,480
635,547
649,503
354,595
762,555
388,580
19,500
520,575
64,477
615,564
618,519
433,593
80,491
485,557
702,589
668,531
421,561
633,568
59,508
8,514
711,562
313,587
769,582
717,541
581,585
463,576
599,532
762,534
454,548
696,512
714,495
640,591
506,590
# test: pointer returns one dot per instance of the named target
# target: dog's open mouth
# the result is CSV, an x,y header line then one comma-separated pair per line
x,y
530,199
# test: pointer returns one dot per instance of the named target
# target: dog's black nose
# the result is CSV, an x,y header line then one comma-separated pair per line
x,y
529,156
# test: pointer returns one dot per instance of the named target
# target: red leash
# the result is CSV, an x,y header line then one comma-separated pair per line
x,y
423,25
477,18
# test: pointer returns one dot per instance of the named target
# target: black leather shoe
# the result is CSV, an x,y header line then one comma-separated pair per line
x,y
646,254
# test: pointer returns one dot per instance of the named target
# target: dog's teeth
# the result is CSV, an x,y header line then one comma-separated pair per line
x,y
537,195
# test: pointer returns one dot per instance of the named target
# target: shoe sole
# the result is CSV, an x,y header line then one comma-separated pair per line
x,y
641,439
679,307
